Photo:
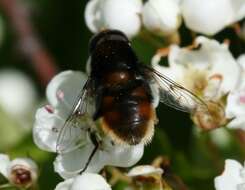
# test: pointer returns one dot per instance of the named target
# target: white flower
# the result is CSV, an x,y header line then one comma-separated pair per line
x,y
236,101
144,170
21,172
209,17
161,16
61,93
86,181
114,14
17,93
209,70
233,177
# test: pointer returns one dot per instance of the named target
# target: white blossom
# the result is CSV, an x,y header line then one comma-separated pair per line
x,y
233,177
114,14
61,93
209,70
17,93
21,172
86,181
76,145
236,101
161,16
209,17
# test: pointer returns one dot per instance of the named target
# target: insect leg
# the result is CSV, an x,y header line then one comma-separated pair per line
x,y
96,146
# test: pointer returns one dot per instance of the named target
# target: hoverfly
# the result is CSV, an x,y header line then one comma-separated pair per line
x,y
121,88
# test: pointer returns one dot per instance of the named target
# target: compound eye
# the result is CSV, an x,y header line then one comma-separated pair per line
x,y
107,35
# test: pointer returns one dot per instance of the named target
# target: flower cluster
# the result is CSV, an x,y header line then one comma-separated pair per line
x,y
163,17
207,68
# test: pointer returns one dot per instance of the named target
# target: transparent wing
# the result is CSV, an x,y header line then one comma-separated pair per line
x,y
73,130
176,96
206,113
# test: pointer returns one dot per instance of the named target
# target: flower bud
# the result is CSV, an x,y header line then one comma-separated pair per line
x,y
161,16
209,17
147,177
114,14
21,172
17,93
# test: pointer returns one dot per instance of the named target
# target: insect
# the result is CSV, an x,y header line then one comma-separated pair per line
x,y
121,88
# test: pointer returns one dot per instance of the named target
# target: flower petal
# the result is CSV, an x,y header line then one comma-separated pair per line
x,y
230,177
45,131
4,160
162,16
235,109
70,164
104,15
114,155
128,20
90,181
123,156
64,88
93,16
208,17
65,185
239,9
48,129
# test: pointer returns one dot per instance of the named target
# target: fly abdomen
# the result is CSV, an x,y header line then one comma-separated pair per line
x,y
129,118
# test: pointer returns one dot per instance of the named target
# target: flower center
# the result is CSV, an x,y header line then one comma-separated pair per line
x,y
21,176
195,80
